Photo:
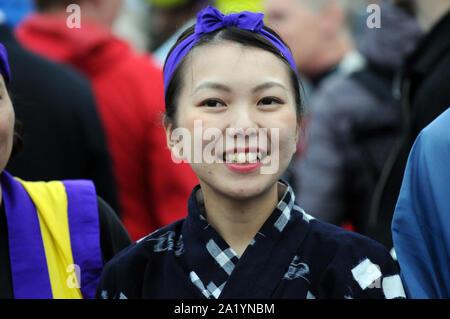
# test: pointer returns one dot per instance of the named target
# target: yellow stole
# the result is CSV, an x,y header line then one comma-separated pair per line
x,y
50,199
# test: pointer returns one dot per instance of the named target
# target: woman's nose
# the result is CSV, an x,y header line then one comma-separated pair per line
x,y
243,123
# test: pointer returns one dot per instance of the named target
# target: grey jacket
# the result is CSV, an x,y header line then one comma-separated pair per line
x,y
354,127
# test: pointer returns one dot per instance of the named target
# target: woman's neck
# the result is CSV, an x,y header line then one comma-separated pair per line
x,y
238,221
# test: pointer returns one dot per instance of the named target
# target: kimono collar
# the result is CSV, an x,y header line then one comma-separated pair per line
x,y
215,268
278,219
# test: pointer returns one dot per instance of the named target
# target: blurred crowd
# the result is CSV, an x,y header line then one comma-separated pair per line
x,y
88,103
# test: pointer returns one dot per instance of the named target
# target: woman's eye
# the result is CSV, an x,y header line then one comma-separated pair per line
x,y
212,103
269,101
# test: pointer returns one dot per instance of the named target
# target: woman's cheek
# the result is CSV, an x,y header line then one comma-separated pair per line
x,y
6,137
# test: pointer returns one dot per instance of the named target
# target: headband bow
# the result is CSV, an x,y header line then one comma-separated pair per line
x,y
210,20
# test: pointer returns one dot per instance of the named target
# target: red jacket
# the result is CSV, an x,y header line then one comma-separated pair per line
x,y
153,191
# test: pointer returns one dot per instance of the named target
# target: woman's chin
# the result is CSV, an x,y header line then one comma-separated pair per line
x,y
245,187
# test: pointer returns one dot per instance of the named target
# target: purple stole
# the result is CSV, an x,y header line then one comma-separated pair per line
x,y
29,269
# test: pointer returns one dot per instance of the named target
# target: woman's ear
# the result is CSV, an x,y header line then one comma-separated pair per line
x,y
168,128
173,135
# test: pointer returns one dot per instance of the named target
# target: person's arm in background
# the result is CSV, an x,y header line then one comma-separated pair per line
x,y
421,221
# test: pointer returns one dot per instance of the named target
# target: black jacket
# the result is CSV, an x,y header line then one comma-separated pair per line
x,y
426,94
63,137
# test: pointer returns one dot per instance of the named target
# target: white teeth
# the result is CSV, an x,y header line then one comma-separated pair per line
x,y
229,158
252,157
242,158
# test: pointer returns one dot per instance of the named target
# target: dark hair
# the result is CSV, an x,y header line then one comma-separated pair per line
x,y
242,36
43,5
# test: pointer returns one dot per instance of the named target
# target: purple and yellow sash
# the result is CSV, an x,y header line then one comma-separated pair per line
x,y
53,229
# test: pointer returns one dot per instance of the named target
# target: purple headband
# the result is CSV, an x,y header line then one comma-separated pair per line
x,y
211,19
4,65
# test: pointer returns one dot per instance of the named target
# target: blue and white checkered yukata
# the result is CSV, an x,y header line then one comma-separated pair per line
x,y
292,256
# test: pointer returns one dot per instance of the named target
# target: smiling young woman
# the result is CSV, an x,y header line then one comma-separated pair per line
x,y
244,235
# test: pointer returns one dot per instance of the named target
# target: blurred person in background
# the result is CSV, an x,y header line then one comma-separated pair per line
x,y
355,123
55,236
421,222
128,88
319,35
62,131
425,93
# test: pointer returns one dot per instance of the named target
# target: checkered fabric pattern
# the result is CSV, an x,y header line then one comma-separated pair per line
x,y
285,206
210,291
227,259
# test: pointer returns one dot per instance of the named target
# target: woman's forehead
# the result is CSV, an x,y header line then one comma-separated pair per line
x,y
234,61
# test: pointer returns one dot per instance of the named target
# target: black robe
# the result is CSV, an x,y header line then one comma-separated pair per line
x,y
292,256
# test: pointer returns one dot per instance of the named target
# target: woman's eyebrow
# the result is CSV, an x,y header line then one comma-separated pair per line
x,y
212,85
223,87
268,85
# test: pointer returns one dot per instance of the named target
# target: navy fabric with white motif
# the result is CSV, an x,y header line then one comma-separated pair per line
x,y
292,256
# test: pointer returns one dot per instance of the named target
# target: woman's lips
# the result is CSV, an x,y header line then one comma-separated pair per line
x,y
243,168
